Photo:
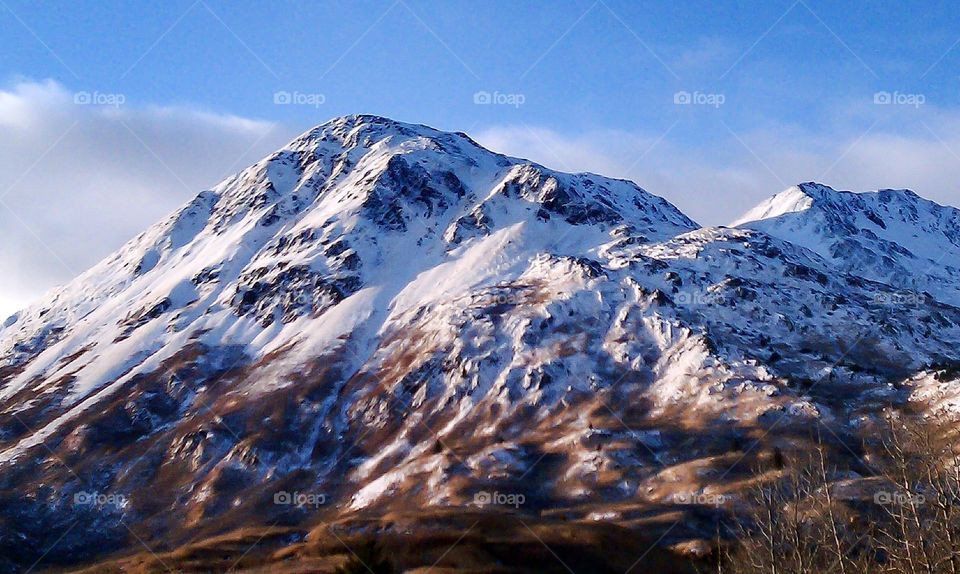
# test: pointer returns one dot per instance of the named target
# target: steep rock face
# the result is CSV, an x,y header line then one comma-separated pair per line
x,y
893,236
394,317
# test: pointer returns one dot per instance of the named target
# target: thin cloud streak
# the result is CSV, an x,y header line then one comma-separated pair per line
x,y
717,183
87,178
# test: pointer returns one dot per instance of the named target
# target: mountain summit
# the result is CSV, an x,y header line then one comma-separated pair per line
x,y
892,236
393,318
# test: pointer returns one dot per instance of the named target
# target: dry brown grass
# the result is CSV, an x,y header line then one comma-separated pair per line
x,y
435,541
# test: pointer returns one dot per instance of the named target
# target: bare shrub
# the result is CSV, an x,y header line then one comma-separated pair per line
x,y
813,517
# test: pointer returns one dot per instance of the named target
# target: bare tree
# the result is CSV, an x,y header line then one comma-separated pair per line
x,y
902,519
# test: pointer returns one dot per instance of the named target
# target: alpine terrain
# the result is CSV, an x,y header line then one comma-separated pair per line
x,y
384,330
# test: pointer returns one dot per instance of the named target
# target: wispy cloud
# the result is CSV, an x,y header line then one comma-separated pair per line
x,y
872,147
80,174
77,180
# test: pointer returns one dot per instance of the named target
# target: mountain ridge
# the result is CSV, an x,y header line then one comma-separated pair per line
x,y
893,236
396,318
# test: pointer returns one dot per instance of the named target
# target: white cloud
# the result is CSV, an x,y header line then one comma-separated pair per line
x,y
717,181
604,152
700,185
77,181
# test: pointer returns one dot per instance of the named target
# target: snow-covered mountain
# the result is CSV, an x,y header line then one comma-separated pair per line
x,y
395,317
893,236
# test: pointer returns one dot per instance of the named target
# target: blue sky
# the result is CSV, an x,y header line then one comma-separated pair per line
x,y
580,64
781,92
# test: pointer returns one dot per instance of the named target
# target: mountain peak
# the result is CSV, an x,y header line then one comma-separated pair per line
x,y
825,194
401,169
891,235
794,199
370,122
361,129
815,190
804,196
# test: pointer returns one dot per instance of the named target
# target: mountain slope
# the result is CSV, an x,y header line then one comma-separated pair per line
x,y
893,236
390,318
360,206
